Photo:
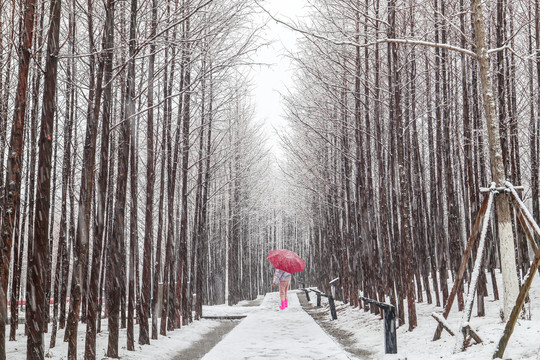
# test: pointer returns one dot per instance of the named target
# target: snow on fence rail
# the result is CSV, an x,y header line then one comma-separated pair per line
x,y
335,290
390,336
331,302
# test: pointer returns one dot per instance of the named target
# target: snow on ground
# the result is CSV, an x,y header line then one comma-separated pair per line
x,y
267,332
274,333
166,347
365,331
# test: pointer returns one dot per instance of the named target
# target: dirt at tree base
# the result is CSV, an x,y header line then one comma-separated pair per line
x,y
344,338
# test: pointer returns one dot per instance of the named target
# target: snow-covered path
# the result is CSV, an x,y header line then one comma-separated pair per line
x,y
272,333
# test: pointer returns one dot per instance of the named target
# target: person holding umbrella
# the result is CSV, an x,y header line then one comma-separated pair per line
x,y
285,262
282,278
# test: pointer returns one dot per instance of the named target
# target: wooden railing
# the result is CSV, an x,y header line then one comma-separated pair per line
x,y
390,336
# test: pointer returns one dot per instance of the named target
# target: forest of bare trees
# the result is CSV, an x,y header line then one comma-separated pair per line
x,y
136,185
402,111
130,168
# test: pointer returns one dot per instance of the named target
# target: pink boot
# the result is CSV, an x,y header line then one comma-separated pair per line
x,y
282,306
286,303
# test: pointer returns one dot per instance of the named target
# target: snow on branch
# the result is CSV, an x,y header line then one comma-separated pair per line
x,y
444,323
368,44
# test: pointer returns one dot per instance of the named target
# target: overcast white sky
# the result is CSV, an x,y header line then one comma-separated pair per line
x,y
273,80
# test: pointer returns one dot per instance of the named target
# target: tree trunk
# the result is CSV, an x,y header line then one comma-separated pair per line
x,y
14,162
203,231
131,129
167,274
146,296
80,249
508,261
186,119
61,256
535,123
36,86
116,272
105,67
157,302
408,276
39,257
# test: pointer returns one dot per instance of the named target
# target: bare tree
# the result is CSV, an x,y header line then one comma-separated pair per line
x,y
14,162
39,256
506,237
144,332
115,275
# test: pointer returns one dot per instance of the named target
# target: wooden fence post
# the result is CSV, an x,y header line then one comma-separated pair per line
x,y
332,307
307,294
390,338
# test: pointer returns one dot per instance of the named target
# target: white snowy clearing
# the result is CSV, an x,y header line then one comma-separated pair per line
x,y
268,332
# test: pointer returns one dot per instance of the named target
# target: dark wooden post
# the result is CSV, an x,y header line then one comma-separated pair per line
x,y
332,307
390,338
307,294
318,299
335,289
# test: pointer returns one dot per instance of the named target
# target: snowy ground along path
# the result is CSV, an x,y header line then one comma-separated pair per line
x,y
200,347
272,333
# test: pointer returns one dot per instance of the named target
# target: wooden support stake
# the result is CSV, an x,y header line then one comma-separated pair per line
x,y
509,329
474,335
467,330
474,277
443,325
463,266
525,226
469,334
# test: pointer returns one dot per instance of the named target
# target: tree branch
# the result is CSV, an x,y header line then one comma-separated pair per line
x,y
368,44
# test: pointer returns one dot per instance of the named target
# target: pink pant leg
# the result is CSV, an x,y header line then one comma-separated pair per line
x,y
283,287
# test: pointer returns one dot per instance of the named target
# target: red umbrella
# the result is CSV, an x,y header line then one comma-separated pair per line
x,y
286,260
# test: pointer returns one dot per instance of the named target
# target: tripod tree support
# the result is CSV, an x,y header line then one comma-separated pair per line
x,y
463,266
464,327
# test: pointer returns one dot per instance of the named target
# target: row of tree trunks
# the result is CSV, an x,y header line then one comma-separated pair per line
x,y
429,162
90,228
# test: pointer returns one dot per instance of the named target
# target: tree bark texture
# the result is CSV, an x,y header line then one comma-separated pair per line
x,y
506,238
